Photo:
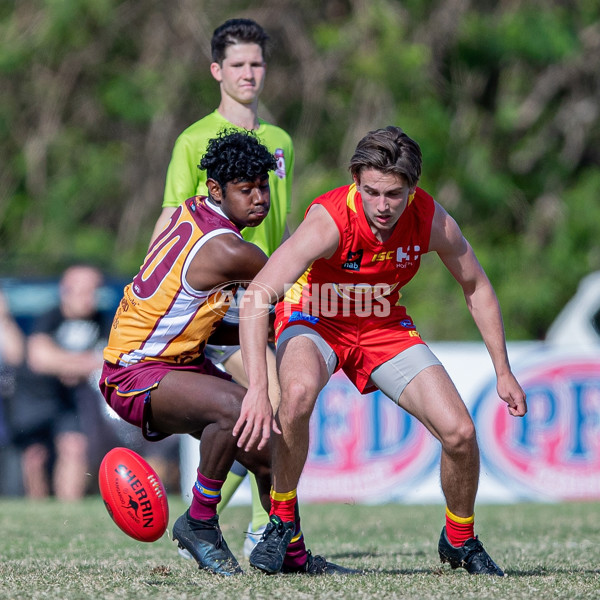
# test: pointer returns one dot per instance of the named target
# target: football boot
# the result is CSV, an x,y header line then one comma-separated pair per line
x,y
204,541
472,556
270,551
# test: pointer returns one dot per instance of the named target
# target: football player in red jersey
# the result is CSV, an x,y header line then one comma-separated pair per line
x,y
356,248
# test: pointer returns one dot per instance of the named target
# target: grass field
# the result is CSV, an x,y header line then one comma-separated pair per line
x,y
51,550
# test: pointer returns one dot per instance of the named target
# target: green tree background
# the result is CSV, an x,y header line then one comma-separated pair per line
x,y
503,97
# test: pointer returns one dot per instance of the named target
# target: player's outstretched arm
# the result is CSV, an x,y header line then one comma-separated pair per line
x,y
458,257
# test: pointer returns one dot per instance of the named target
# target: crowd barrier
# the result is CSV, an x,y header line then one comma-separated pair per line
x,y
363,449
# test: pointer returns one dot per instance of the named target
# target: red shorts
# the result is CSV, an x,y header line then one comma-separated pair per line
x,y
360,344
127,389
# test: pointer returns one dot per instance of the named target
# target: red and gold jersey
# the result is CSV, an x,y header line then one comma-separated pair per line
x,y
365,276
161,317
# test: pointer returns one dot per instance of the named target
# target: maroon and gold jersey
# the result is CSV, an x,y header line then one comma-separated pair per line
x,y
161,317
365,276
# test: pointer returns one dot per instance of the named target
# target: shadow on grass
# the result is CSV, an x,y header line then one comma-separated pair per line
x,y
441,571
371,554
545,572
376,571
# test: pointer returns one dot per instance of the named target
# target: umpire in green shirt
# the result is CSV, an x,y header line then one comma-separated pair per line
x,y
238,50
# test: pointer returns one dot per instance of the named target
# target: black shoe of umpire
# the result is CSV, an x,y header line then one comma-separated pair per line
x,y
205,542
270,551
471,556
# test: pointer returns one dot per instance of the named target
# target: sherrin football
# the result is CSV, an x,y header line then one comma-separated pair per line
x,y
133,495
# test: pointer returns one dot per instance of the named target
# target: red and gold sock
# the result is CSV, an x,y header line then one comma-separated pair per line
x,y
459,529
283,505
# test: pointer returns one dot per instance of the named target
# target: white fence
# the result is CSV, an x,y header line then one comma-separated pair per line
x,y
364,449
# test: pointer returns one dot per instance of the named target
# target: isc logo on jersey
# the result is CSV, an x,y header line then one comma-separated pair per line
x,y
404,257
554,451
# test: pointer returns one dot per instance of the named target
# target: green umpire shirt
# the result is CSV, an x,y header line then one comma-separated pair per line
x,y
185,179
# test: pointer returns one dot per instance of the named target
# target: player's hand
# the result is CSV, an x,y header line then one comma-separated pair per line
x,y
512,393
256,421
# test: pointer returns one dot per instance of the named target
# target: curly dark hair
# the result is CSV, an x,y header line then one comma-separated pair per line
x,y
236,156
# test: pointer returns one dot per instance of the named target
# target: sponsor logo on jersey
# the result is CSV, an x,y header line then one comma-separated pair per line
x,y
353,260
554,451
280,158
381,256
408,256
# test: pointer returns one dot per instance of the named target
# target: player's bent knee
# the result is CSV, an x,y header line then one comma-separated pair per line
x,y
230,403
298,399
462,439
35,456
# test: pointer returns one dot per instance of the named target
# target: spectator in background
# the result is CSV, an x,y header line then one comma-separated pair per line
x,y
12,354
12,340
56,408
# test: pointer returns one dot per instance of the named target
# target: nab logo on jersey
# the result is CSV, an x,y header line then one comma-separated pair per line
x,y
353,260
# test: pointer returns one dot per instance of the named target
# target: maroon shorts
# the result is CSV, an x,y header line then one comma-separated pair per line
x,y
127,389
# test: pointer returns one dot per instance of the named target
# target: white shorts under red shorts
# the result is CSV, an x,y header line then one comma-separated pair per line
x,y
360,344
127,389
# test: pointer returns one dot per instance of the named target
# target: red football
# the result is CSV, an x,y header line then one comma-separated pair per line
x,y
133,495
